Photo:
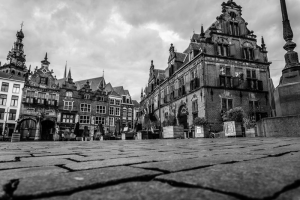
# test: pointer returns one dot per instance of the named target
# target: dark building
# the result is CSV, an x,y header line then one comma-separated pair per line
x,y
222,68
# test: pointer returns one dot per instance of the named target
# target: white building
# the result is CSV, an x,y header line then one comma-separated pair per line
x,y
10,101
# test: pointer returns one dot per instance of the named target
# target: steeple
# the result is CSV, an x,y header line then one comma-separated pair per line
x,y
202,34
45,61
142,93
16,54
263,45
65,74
291,57
69,74
172,49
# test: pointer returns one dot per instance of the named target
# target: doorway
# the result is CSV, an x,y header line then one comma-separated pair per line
x,y
47,130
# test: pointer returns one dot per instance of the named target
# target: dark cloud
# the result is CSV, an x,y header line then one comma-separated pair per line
x,y
122,37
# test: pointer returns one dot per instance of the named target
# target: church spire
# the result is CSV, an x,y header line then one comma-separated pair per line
x,y
291,57
69,74
45,61
65,74
263,45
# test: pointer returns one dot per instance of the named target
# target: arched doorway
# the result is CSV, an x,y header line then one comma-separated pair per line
x,y
183,116
47,130
27,128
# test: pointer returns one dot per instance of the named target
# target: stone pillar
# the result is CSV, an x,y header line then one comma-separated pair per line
x,y
123,136
37,133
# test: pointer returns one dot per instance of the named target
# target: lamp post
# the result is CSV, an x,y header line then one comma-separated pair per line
x,y
5,122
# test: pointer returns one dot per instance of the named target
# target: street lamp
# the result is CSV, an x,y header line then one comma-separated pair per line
x,y
5,122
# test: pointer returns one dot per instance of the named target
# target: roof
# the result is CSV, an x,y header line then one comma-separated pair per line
x,y
120,90
135,103
180,56
60,82
94,83
114,93
108,87
12,77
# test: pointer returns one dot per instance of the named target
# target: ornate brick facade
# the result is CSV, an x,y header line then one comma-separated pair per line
x,y
223,67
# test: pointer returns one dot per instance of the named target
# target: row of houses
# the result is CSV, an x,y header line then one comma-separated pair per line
x,y
37,103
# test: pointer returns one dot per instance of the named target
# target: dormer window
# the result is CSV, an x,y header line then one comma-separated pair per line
x,y
69,94
86,96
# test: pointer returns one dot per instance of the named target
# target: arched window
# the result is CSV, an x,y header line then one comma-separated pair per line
x,y
19,74
13,71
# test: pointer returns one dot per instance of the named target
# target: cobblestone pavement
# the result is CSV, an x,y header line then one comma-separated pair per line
x,y
258,168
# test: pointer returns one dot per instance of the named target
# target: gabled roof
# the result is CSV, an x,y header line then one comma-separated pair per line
x,y
108,87
114,93
94,83
120,90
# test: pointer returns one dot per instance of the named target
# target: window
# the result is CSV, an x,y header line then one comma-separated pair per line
x,y
4,87
84,119
51,100
227,104
67,118
225,76
14,101
223,50
41,97
69,94
68,105
112,101
86,96
30,93
85,107
124,113
101,99
100,120
195,106
234,28
129,112
100,109
111,121
253,106
111,110
118,102
16,88
248,53
118,111
12,114
3,99
43,80
2,111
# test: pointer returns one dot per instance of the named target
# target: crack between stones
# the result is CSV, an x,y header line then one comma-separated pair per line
x,y
294,185
186,185
145,178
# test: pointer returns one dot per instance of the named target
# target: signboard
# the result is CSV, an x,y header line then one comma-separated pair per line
x,y
199,132
229,128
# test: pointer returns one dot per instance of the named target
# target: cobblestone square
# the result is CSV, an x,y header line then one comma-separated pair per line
x,y
233,168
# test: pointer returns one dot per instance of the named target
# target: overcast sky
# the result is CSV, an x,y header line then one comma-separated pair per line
x,y
121,37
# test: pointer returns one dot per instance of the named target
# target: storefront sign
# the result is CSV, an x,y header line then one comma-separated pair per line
x,y
199,132
229,128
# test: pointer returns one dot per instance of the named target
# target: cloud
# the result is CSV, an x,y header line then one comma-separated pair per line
x,y
122,37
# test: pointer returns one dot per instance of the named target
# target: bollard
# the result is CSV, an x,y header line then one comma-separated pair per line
x,y
123,136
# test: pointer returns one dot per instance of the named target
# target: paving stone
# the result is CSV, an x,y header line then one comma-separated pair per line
x,y
146,191
186,164
26,164
48,158
29,172
255,179
290,195
67,182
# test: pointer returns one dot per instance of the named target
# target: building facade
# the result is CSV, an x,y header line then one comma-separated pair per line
x,y
12,79
222,68
39,108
